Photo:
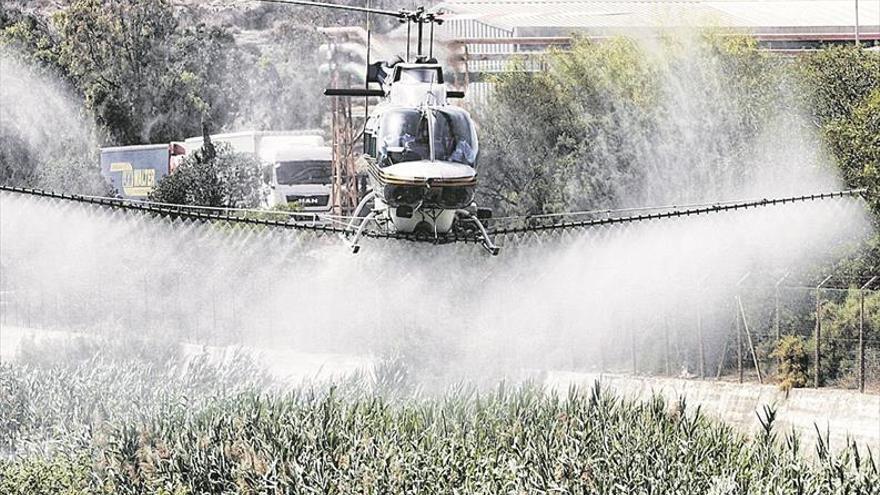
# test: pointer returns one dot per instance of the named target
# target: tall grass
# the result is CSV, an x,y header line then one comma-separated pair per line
x,y
103,425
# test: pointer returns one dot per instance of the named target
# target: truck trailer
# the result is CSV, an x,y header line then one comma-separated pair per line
x,y
134,171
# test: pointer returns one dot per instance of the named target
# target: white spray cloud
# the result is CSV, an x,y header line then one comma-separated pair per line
x,y
43,115
546,302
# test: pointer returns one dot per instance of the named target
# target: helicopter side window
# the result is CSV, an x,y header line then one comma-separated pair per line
x,y
403,137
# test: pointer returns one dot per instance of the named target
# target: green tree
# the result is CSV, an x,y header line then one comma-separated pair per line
x,y
45,140
842,90
147,77
31,36
838,79
216,176
526,137
855,142
617,123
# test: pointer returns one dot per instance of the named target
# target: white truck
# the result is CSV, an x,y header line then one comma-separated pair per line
x,y
301,164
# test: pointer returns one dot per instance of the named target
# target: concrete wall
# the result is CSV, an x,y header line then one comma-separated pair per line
x,y
843,413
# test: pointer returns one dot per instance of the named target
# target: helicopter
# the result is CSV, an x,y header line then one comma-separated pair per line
x,y
420,152
421,156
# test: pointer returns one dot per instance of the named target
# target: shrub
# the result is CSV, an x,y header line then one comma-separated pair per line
x,y
218,176
794,362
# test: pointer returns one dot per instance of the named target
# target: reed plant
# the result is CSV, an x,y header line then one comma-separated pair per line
x,y
193,426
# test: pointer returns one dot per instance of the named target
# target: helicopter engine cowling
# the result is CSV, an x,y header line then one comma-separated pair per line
x,y
427,209
422,221
420,193
444,198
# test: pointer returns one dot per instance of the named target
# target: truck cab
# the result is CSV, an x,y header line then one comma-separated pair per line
x,y
302,173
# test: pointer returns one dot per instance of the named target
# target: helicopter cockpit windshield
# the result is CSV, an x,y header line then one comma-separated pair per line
x,y
445,134
419,75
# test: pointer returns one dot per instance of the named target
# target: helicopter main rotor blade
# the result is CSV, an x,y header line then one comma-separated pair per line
x,y
392,13
474,16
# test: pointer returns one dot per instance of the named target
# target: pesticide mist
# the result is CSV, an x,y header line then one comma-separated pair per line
x,y
48,139
452,313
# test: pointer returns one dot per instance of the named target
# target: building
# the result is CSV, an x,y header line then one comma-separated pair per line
x,y
488,33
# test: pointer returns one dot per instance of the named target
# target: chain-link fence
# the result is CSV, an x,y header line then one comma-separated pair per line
x,y
760,333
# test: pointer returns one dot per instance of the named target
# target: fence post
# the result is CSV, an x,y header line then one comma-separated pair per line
x,y
862,334
632,347
702,349
777,317
739,342
739,349
817,373
666,344
721,360
745,324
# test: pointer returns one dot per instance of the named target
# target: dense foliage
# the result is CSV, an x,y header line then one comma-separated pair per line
x,y
144,76
616,123
216,176
701,118
607,123
151,71
159,423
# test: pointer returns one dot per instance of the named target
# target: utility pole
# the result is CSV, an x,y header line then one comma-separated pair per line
x,y
343,53
857,22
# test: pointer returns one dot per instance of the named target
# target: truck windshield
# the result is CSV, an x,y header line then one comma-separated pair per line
x,y
407,135
291,173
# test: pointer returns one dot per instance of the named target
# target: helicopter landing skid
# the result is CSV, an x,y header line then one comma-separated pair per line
x,y
359,233
485,240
